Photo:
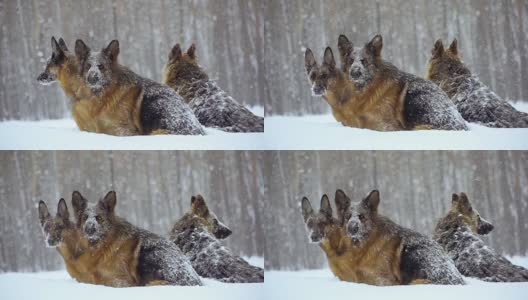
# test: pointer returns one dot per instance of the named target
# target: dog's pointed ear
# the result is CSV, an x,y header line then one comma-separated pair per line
x,y
191,52
375,45
176,52
79,204
329,57
43,212
306,208
112,50
344,46
62,210
55,47
438,49
325,206
342,203
81,50
464,201
372,201
309,60
198,206
108,203
454,199
453,48
62,45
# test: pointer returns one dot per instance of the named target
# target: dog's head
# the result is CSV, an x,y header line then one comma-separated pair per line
x,y
471,217
321,77
59,60
360,218
204,217
96,221
182,66
97,68
317,224
54,228
361,64
445,63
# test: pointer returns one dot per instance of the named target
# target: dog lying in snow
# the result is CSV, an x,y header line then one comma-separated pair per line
x,y
458,232
197,234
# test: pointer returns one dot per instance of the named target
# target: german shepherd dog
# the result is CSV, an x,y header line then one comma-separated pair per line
x,y
474,100
128,104
62,234
381,89
212,106
458,232
197,234
125,255
63,67
329,233
333,85
387,253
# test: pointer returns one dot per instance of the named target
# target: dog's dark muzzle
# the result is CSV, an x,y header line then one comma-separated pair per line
x,y
45,78
353,228
484,228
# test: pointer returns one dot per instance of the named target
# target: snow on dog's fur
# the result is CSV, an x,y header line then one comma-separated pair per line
x,y
474,100
197,234
458,232
125,255
212,106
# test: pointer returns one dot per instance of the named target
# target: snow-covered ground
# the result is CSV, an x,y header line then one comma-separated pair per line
x,y
323,132
63,134
58,285
321,284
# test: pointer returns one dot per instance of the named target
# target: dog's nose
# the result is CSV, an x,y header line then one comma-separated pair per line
x,y
355,72
318,89
92,79
89,229
42,77
353,228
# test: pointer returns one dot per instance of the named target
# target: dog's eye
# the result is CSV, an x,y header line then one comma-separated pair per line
x,y
100,67
361,217
98,219
363,61
312,76
88,66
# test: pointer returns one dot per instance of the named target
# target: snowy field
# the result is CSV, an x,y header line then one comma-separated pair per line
x,y
63,134
323,132
58,285
321,284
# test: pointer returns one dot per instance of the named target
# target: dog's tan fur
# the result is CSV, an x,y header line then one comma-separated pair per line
x,y
377,263
380,107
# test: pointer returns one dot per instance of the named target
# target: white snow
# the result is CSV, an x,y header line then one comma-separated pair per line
x,y
58,285
63,134
323,132
321,284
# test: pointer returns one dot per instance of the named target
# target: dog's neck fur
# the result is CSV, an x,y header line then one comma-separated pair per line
x,y
335,242
340,91
72,82
449,229
73,245
190,236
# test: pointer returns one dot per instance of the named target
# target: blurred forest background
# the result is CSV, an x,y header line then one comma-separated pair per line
x,y
415,187
153,190
228,35
491,34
